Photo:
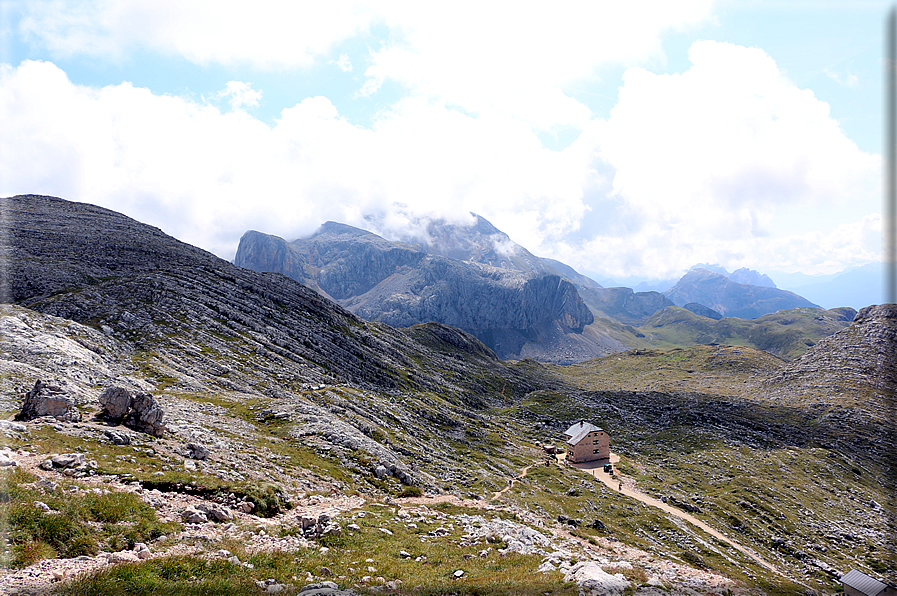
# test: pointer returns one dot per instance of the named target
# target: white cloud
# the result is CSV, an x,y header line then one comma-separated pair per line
x,y
239,94
503,57
344,63
519,59
207,176
726,162
266,34
849,80
720,159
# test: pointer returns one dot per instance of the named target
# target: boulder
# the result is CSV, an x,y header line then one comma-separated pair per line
x,y
197,451
214,511
147,414
48,400
592,579
115,402
68,460
220,513
192,515
117,438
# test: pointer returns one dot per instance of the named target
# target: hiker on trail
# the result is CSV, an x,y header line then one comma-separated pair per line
x,y
621,486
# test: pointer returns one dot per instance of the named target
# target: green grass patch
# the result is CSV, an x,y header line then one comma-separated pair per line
x,y
70,527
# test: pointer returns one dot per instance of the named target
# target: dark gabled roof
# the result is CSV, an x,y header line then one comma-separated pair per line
x,y
863,583
576,428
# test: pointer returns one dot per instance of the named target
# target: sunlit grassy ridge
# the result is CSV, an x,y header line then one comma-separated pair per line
x,y
786,333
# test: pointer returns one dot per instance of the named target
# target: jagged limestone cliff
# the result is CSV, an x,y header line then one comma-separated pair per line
x,y
516,313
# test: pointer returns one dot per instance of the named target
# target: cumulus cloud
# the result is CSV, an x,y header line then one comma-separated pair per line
x,y
483,57
267,34
726,162
719,159
206,176
239,94
488,57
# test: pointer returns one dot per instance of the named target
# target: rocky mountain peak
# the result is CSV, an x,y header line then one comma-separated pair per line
x,y
729,298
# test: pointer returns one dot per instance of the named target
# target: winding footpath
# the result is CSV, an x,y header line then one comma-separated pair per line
x,y
512,481
627,488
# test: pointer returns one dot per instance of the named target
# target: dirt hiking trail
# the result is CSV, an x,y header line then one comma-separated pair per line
x,y
626,486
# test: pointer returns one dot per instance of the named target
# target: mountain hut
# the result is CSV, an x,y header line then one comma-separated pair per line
x,y
857,583
587,442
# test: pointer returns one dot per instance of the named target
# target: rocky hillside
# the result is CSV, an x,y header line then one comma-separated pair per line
x,y
855,366
301,445
193,320
730,298
515,313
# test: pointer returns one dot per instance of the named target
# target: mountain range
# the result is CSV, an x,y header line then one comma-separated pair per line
x,y
311,426
521,306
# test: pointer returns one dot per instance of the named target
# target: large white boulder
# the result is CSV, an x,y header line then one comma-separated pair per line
x,y
594,581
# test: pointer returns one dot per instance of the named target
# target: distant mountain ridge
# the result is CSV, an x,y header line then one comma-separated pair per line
x,y
730,298
476,278
856,287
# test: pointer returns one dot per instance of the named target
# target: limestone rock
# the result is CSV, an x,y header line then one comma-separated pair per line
x,y
192,515
115,402
592,579
117,438
124,557
8,426
48,400
148,415
6,459
197,451
325,588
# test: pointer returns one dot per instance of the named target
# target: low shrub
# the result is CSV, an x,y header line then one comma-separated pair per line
x,y
411,491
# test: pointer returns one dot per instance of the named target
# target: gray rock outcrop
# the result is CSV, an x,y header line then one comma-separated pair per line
x,y
141,411
147,415
115,403
48,400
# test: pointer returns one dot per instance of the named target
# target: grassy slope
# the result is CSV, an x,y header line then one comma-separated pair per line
x,y
768,474
738,466
786,333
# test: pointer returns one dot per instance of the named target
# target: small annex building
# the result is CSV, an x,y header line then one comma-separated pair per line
x,y
587,442
857,583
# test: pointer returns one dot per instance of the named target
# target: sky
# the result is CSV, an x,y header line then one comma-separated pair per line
x,y
626,139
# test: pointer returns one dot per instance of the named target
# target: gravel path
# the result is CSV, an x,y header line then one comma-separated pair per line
x,y
626,487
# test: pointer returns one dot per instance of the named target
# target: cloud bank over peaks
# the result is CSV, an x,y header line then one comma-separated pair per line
x,y
725,162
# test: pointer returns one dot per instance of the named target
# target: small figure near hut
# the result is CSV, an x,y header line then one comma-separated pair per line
x,y
587,442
